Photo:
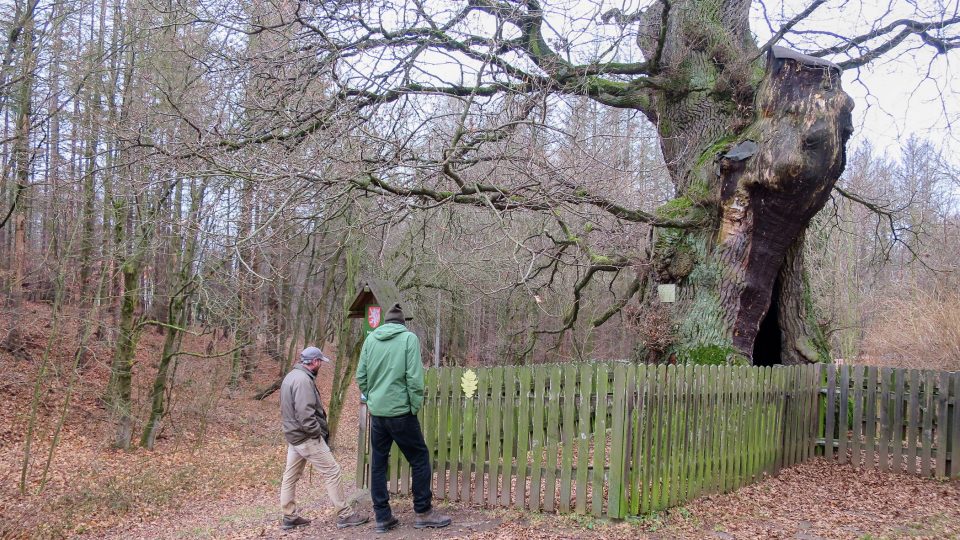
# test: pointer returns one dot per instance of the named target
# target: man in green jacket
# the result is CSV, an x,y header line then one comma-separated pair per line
x,y
390,375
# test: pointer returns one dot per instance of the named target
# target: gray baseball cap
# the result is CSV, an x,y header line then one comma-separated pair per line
x,y
312,353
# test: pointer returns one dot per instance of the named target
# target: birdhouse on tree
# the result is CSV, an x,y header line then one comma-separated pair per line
x,y
371,304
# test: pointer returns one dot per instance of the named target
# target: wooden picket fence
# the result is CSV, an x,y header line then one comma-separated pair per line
x,y
897,420
617,439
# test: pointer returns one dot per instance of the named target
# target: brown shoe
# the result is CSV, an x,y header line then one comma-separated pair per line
x,y
293,522
431,519
387,525
352,520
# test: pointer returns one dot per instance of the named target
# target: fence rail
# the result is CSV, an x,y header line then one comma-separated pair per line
x,y
621,439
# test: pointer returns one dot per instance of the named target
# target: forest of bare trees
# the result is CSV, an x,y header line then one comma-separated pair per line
x,y
527,174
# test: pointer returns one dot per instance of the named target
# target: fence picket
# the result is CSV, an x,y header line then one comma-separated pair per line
x,y
509,432
657,438
456,432
843,413
675,453
776,412
898,432
796,415
885,409
789,404
584,430
856,380
926,461
617,436
765,430
913,435
712,421
743,436
753,450
467,454
637,414
524,427
537,439
955,451
942,424
552,439
770,431
694,439
681,415
694,389
799,413
771,396
494,425
733,428
483,393
651,413
600,439
569,436
428,417
811,411
443,431
870,419
814,426
830,417
723,390
363,447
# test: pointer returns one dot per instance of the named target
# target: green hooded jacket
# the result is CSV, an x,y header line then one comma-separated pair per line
x,y
390,372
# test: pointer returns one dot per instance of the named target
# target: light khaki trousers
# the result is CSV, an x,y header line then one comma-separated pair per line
x,y
318,454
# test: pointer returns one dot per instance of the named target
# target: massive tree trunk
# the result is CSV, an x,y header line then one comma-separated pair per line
x,y
754,141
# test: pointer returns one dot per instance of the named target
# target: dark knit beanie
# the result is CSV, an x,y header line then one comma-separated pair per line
x,y
395,315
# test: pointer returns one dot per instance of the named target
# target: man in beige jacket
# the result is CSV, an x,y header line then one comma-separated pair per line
x,y
305,429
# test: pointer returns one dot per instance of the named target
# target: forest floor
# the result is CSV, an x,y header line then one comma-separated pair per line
x,y
215,473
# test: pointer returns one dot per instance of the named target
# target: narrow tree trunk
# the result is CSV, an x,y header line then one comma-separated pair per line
x,y
177,312
22,157
243,362
122,368
87,233
348,345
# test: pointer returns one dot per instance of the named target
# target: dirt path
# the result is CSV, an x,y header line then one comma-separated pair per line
x,y
815,500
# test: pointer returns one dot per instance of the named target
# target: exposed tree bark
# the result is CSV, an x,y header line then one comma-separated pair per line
x,y
766,175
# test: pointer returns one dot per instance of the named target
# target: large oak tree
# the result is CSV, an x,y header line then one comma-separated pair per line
x,y
753,134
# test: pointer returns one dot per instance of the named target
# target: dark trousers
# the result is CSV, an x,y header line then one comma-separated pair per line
x,y
405,431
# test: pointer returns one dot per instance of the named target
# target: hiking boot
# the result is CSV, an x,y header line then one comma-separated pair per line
x,y
431,519
293,522
352,520
384,526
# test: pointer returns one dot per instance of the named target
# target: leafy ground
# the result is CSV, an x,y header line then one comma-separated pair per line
x,y
216,472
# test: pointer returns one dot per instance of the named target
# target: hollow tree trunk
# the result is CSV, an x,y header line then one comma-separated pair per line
x,y
754,144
